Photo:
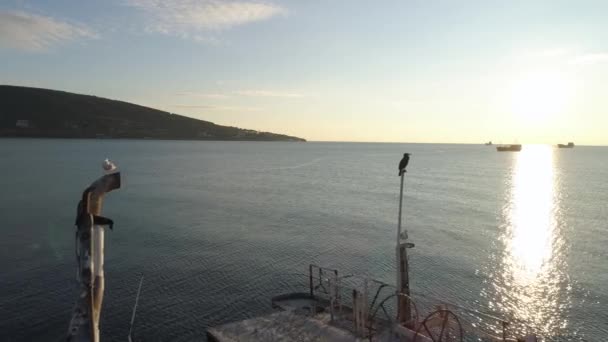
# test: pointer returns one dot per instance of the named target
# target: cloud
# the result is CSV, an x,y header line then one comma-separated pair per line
x,y
590,58
247,93
195,106
214,96
32,32
556,52
190,18
268,93
220,108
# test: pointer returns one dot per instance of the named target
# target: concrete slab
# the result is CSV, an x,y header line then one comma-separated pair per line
x,y
280,326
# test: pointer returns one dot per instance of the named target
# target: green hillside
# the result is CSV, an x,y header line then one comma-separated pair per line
x,y
35,112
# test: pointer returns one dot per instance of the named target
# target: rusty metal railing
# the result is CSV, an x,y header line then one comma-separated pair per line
x,y
344,295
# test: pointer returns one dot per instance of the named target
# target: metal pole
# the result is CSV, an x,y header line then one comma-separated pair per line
x,y
84,325
397,250
403,284
400,209
98,285
135,308
311,284
98,274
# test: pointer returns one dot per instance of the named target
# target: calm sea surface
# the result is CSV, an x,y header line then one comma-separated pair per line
x,y
214,226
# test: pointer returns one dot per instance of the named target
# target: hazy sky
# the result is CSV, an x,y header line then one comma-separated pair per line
x,y
418,71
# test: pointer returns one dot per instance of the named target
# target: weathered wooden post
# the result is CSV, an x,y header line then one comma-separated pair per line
x,y
90,227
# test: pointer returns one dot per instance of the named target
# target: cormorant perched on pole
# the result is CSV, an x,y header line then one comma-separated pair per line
x,y
403,282
403,163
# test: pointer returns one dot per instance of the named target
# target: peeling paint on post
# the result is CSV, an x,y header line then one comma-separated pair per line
x,y
90,227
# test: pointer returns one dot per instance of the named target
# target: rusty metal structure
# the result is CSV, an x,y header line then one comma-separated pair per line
x,y
353,308
329,306
90,229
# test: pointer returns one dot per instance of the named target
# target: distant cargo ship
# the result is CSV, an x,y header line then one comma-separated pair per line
x,y
570,145
509,148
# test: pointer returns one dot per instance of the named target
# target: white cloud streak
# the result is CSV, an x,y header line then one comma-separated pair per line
x,y
190,18
219,108
241,93
213,96
557,52
35,33
591,58
268,93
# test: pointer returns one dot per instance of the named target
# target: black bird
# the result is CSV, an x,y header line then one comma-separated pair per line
x,y
403,163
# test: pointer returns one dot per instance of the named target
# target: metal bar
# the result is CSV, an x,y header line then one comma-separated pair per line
x,y
312,291
400,208
355,309
382,286
141,281
464,308
404,302
403,283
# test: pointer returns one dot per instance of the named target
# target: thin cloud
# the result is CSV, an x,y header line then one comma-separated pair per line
x,y
219,108
590,58
557,52
190,18
194,106
213,96
32,32
268,93
246,93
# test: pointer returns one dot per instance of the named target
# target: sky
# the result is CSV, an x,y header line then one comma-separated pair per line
x,y
333,70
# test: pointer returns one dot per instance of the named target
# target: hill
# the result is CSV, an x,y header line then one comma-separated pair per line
x,y
35,112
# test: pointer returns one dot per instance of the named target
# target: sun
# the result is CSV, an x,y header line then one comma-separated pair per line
x,y
539,96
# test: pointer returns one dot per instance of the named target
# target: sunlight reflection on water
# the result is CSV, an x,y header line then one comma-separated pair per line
x,y
532,215
530,281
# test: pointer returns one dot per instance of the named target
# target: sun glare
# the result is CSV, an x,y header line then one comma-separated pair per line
x,y
532,256
537,97
532,211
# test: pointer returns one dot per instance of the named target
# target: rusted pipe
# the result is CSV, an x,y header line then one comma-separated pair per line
x,y
90,226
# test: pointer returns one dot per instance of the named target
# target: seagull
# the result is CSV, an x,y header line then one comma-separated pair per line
x,y
108,166
403,163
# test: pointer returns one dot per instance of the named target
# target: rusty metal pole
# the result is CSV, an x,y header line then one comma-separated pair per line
x,y
312,291
403,282
404,302
90,227
95,207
